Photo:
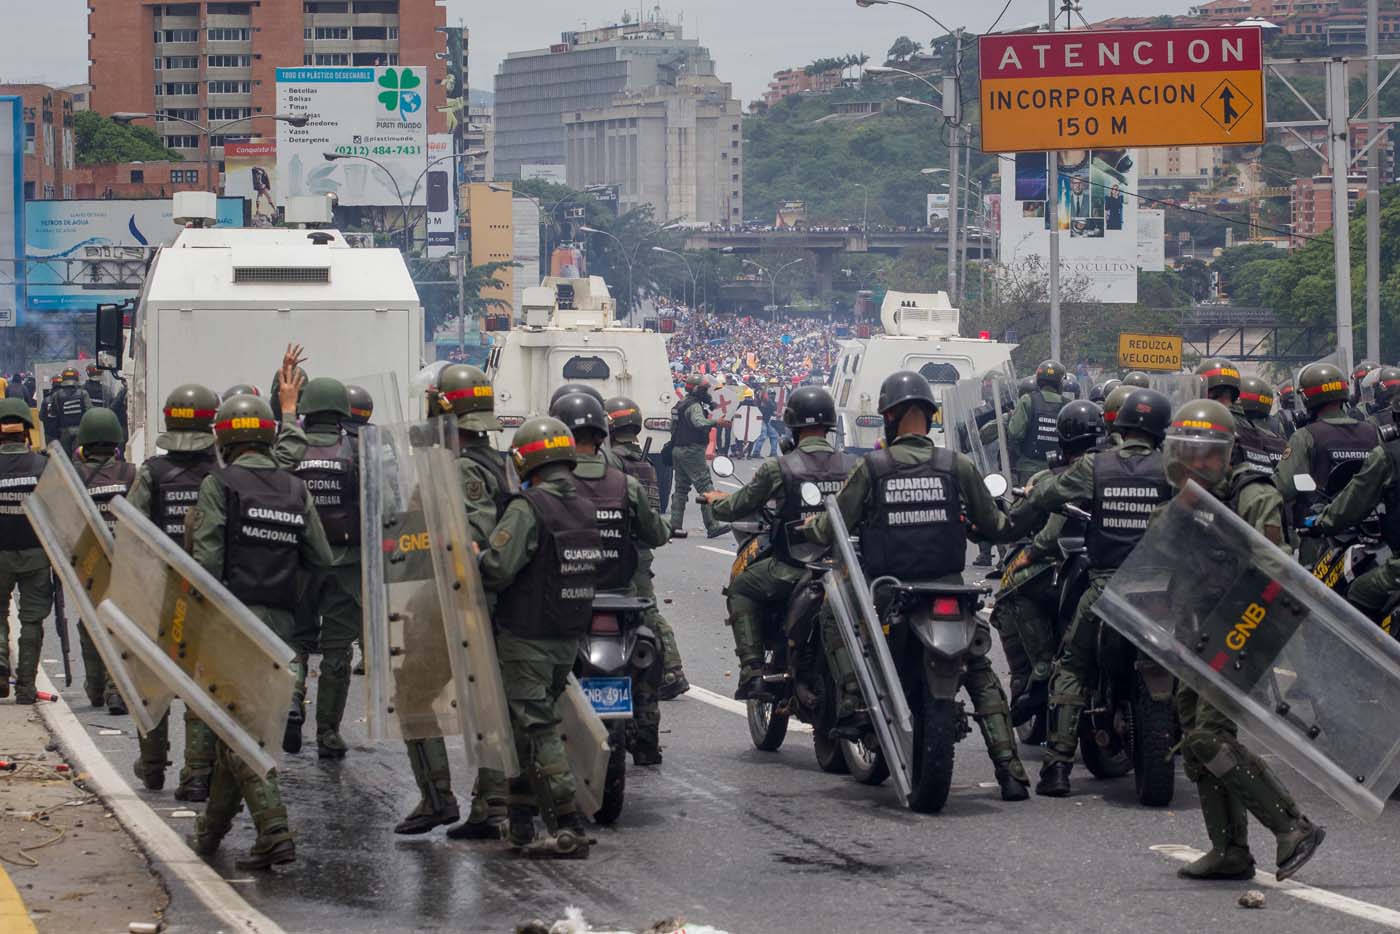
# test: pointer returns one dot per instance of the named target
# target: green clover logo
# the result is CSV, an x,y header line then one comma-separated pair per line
x,y
400,94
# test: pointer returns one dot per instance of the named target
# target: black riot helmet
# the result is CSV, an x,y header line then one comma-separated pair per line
x,y
1025,386
809,407
1079,426
1144,410
1050,374
361,404
624,416
1096,393
1070,386
567,388
581,412
906,386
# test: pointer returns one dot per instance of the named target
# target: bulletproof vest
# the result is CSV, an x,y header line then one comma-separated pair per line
x,y
683,433
914,530
827,469
1241,479
613,514
1333,446
1381,417
1126,491
1261,450
95,392
635,464
106,482
1042,435
1390,520
552,597
492,462
175,481
333,479
19,475
68,408
264,523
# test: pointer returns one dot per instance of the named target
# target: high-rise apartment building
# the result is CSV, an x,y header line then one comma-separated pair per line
x,y
634,105
213,62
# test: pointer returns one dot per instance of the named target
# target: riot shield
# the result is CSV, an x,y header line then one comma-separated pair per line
x,y
408,671
1179,388
1273,648
973,425
586,744
848,595
197,640
748,423
471,646
386,392
79,547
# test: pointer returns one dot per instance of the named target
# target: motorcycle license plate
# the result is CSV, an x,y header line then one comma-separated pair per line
x,y
611,697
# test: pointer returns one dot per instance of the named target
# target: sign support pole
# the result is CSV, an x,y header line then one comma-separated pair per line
x,y
1339,154
1373,187
1052,211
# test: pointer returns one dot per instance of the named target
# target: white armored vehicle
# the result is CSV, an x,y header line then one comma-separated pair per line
x,y
921,334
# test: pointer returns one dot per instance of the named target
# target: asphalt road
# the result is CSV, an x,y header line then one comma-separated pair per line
x,y
725,835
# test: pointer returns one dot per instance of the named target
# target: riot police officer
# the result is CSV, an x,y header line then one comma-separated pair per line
x,y
1330,440
165,489
626,522
1069,387
1360,392
1025,611
1385,392
1256,441
106,476
1232,781
921,540
1287,409
1031,430
1112,405
624,427
1119,487
361,410
255,528
690,435
67,406
1220,380
1136,379
240,389
329,616
542,560
23,563
93,386
810,414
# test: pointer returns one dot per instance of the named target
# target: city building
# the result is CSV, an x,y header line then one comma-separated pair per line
x,y
481,135
1312,204
639,106
796,81
525,219
1177,166
49,142
212,62
135,179
490,214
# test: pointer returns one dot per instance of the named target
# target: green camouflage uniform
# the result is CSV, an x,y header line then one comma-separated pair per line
x,y
691,469
769,580
28,569
986,521
97,684
1027,605
233,781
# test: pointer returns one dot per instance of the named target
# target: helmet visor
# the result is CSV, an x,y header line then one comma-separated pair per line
x,y
1205,460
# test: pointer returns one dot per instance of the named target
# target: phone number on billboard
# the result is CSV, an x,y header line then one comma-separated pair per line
x,y
379,150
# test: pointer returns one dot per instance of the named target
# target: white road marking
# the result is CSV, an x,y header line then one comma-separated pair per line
x,y
1321,897
733,706
730,483
154,835
719,551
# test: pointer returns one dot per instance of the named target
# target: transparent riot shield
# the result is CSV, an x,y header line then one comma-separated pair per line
x,y
1273,648
470,644
848,595
79,547
973,425
387,394
197,640
409,678
1179,388
586,744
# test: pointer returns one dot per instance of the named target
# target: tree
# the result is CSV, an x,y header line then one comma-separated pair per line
x,y
903,49
100,140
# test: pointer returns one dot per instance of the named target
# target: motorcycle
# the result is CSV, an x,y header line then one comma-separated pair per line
x,y
1349,553
932,631
794,665
618,652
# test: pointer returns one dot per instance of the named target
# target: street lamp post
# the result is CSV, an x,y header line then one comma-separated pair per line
x,y
772,275
625,258
694,283
398,192
209,132
540,205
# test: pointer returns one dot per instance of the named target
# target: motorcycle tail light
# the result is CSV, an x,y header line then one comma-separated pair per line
x,y
605,624
946,608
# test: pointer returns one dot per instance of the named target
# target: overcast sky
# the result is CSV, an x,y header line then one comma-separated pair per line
x,y
750,39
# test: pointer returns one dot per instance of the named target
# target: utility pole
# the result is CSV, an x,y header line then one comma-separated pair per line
x,y
1373,185
461,303
952,114
1339,154
1052,214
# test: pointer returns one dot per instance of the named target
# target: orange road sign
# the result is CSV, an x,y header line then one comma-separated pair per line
x,y
1125,88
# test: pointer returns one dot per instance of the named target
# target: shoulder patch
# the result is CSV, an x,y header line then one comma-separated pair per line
x,y
500,539
474,489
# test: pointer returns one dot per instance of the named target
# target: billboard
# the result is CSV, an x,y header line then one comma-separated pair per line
x,y
73,230
550,172
1097,220
1152,239
442,197
250,172
11,207
377,114
937,205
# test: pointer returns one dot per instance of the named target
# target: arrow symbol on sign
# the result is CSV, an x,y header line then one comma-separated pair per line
x,y
1230,115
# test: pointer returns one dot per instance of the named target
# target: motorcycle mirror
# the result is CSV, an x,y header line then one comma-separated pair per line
x,y
1304,483
811,496
722,466
996,484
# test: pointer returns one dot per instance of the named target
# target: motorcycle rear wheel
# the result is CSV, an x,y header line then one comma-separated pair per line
x,y
831,759
865,761
1154,766
767,729
933,756
615,784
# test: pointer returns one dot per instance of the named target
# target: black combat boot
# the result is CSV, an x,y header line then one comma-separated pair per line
x,y
1054,780
1013,787
193,788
